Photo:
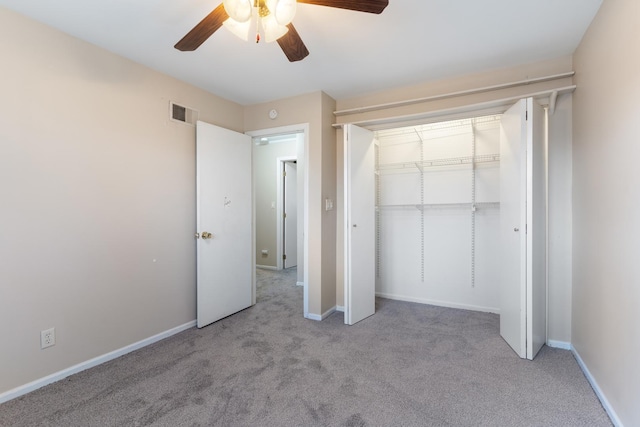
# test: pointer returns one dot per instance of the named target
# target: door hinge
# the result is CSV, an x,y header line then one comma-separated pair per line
x,y
284,256
526,115
284,215
284,173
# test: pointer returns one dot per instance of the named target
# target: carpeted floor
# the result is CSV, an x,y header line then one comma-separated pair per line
x,y
408,365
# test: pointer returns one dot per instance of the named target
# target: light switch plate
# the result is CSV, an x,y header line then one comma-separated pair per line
x,y
328,204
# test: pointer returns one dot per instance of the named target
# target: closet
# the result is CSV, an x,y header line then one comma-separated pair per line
x,y
438,199
455,214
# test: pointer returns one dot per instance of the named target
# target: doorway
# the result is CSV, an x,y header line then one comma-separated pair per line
x,y
279,150
451,201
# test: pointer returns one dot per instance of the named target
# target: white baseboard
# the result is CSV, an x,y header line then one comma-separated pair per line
x,y
300,283
438,303
559,344
328,312
320,317
596,388
267,267
340,308
57,376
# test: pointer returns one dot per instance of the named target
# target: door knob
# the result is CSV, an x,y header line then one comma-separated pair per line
x,y
516,229
206,235
355,225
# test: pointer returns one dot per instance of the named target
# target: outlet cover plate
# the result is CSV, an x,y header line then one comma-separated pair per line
x,y
47,338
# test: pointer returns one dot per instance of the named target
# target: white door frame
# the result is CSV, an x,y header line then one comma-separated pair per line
x,y
304,129
280,161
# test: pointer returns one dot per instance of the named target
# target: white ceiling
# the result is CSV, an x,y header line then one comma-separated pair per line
x,y
352,53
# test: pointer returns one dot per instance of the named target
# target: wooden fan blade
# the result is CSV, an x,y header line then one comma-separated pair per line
x,y
370,6
201,32
292,45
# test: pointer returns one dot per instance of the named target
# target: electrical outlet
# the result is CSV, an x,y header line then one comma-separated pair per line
x,y
47,338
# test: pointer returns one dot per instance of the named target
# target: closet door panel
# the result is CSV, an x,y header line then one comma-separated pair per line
x,y
360,229
523,174
513,219
537,229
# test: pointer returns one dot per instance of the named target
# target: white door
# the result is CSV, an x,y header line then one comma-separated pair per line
x,y
290,215
523,228
359,233
513,208
225,260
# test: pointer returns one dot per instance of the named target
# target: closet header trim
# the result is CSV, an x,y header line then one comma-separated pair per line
x,y
497,106
453,94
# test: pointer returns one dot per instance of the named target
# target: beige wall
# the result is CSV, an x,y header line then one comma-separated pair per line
x,y
606,271
559,165
310,109
95,184
265,178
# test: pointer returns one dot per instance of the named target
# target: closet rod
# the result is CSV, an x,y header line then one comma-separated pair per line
x,y
453,94
497,106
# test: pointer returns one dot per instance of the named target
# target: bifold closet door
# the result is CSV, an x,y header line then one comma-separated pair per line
x,y
537,228
359,232
523,227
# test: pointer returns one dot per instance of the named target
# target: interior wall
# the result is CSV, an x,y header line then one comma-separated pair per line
x,y
98,200
559,172
606,200
309,109
265,169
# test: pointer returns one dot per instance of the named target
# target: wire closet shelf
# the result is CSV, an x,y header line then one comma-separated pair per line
x,y
451,161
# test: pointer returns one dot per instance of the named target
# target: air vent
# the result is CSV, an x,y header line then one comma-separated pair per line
x,y
182,114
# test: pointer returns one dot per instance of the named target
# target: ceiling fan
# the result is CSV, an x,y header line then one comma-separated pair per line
x,y
271,17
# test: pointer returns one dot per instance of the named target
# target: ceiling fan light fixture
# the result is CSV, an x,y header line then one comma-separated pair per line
x,y
272,29
239,10
239,29
283,10
267,18
242,16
